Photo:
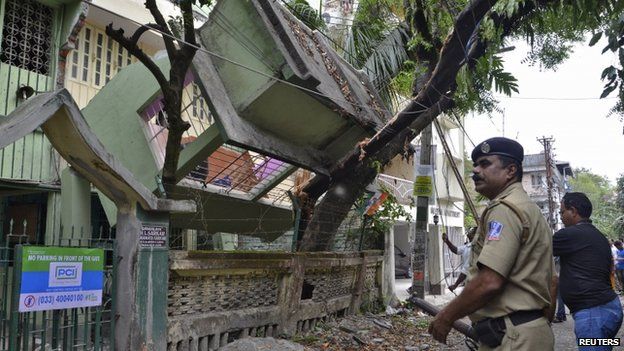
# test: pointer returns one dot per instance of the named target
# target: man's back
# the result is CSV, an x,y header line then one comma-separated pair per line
x,y
585,266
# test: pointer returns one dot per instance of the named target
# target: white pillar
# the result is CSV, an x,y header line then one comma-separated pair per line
x,y
387,285
436,266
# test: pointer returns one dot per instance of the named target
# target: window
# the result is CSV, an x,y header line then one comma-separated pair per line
x,y
97,58
27,35
86,59
97,71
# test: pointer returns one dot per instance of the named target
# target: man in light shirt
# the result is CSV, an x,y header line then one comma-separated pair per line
x,y
464,251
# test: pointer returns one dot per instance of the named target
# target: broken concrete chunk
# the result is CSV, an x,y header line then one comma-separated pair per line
x,y
257,344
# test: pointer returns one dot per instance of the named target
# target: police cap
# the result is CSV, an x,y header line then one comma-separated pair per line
x,y
499,146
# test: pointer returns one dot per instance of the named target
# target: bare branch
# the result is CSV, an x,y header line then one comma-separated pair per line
x,y
137,34
135,50
160,20
189,29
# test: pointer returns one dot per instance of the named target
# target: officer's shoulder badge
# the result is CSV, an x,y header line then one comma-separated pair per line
x,y
485,147
494,230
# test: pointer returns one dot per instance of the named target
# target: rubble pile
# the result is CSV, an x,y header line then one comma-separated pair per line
x,y
401,329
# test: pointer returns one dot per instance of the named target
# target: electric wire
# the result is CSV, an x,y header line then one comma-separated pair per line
x,y
554,98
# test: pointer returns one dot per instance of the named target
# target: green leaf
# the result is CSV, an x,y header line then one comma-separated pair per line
x,y
609,71
608,90
595,38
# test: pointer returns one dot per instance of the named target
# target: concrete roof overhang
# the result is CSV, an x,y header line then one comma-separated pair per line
x,y
62,122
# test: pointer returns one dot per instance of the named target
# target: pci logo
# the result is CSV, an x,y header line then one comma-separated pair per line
x,y
65,274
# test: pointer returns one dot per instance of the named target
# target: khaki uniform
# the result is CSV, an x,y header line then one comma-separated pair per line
x,y
518,247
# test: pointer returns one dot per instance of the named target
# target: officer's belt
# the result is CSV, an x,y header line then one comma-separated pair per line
x,y
518,317
491,331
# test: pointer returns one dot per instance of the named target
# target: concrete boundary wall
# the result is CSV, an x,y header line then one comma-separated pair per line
x,y
217,297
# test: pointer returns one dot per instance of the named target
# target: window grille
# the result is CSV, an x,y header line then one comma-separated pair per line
x,y
108,66
97,71
27,35
200,108
85,55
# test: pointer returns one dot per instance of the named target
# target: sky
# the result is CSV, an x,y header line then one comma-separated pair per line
x,y
583,134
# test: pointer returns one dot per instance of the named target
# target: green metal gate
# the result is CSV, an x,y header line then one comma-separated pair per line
x,y
85,328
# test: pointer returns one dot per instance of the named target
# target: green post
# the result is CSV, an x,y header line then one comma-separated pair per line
x,y
17,282
56,317
296,229
97,342
44,327
113,307
26,330
364,223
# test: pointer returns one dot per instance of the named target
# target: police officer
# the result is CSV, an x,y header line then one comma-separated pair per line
x,y
510,281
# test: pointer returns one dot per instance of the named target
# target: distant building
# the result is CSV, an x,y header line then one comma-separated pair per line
x,y
446,206
535,182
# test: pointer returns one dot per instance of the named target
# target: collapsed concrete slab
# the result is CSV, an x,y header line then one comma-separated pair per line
x,y
277,87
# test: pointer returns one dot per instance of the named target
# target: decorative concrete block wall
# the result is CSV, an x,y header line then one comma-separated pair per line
x,y
215,298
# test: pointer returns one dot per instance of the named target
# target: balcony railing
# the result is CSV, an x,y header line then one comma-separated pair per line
x,y
230,170
401,188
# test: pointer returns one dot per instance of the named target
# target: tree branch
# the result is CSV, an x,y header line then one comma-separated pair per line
x,y
135,50
160,20
137,34
189,29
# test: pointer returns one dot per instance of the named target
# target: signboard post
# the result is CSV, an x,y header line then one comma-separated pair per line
x,y
54,278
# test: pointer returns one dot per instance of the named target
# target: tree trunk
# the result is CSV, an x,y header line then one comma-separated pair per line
x,y
333,208
320,230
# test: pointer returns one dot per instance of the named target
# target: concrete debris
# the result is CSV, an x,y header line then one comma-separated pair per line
x,y
368,332
359,340
262,344
382,323
391,311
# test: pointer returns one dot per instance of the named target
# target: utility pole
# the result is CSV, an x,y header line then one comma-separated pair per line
x,y
419,250
548,162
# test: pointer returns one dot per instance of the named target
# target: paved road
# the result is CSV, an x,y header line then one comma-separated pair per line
x,y
564,332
